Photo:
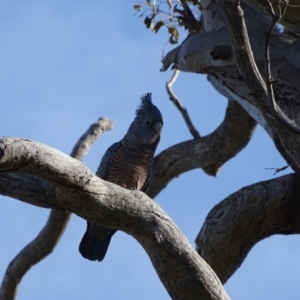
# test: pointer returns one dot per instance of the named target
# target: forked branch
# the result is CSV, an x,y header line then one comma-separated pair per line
x,y
210,152
183,272
194,132
276,111
249,71
56,224
246,217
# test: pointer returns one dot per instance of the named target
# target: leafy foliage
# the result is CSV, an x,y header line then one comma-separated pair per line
x,y
165,13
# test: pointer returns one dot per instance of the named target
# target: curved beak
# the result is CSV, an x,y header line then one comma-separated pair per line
x,y
158,127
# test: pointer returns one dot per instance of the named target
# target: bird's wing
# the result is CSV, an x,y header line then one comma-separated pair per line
x,y
95,241
148,181
150,174
107,159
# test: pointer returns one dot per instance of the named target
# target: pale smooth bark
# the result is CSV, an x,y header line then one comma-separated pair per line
x,y
55,226
182,271
39,175
238,71
233,58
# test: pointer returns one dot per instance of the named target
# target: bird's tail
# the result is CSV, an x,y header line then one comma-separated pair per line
x,y
95,242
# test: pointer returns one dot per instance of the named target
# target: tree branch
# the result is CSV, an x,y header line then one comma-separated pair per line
x,y
249,71
183,272
85,142
246,217
291,19
246,85
209,152
211,22
194,132
276,111
57,222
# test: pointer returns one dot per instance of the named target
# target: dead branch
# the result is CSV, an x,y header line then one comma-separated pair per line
x,y
194,132
209,152
182,271
291,19
251,75
276,111
56,224
246,217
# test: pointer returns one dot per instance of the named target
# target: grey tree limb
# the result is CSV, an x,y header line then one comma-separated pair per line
x,y
246,217
209,152
182,271
271,207
194,132
248,69
55,226
291,18
241,75
276,111
85,142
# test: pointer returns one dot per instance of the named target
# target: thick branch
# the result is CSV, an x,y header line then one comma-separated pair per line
x,y
233,15
183,272
209,152
246,85
56,224
246,217
291,19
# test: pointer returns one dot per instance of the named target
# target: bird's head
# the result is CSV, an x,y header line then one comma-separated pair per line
x,y
148,123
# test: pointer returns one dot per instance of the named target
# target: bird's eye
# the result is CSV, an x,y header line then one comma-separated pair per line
x,y
147,122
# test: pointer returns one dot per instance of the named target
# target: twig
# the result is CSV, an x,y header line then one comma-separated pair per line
x,y
89,137
278,113
194,132
277,170
56,224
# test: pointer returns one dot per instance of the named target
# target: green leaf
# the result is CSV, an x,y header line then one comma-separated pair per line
x,y
174,34
148,21
172,41
175,8
142,14
137,7
158,25
149,3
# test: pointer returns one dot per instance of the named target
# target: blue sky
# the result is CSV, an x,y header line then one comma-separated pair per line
x,y
63,65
